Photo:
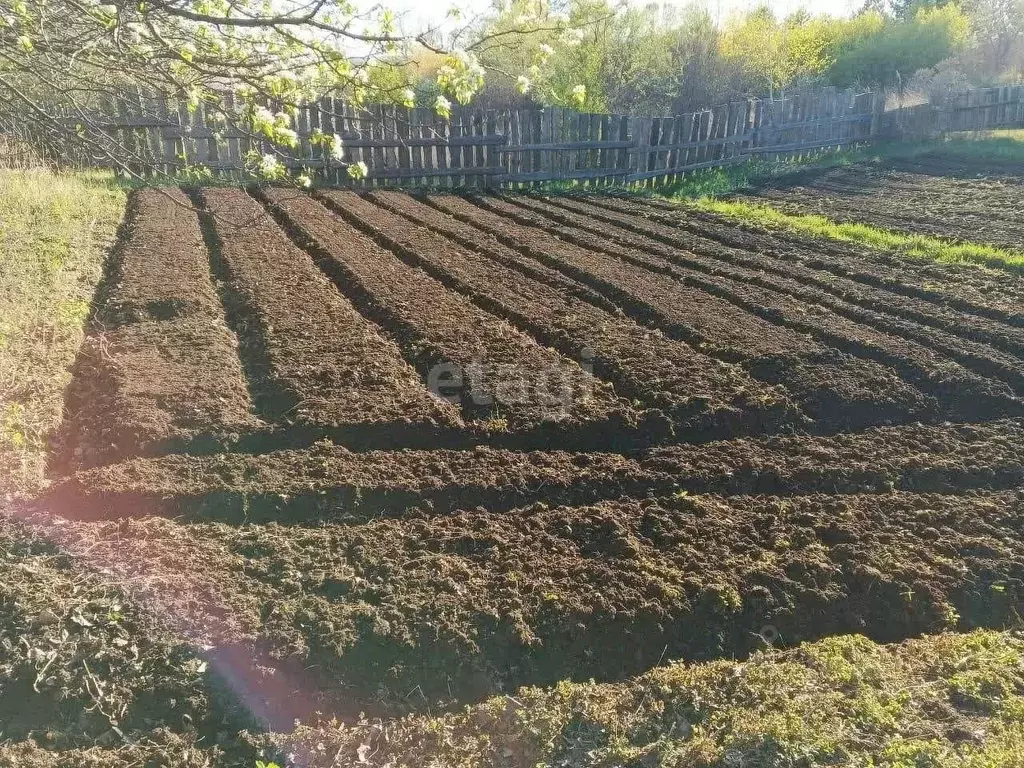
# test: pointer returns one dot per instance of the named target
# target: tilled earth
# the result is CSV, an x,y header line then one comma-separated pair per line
x,y
385,453
930,195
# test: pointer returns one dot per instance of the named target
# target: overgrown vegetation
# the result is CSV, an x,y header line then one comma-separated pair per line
x,y
88,683
660,60
915,246
54,234
87,679
950,700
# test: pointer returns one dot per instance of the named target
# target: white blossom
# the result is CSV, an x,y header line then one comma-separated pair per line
x,y
523,84
461,76
304,181
442,106
287,137
572,37
337,149
546,50
358,170
269,165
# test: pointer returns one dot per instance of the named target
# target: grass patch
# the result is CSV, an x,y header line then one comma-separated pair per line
x,y
994,146
1004,145
911,245
942,701
54,234
722,181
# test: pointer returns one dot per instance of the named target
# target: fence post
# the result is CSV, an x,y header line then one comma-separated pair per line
x,y
877,112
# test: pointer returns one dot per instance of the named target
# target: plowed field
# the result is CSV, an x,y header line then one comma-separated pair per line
x,y
965,202
416,450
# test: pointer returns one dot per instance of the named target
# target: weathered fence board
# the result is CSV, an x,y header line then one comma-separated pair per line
x,y
414,147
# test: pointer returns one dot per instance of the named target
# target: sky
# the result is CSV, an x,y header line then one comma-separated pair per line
x,y
418,14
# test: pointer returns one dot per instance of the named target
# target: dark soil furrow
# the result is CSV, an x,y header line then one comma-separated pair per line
x,y
913,174
968,288
876,312
159,368
703,397
501,378
944,205
988,198
634,227
962,169
966,394
827,384
461,606
966,211
318,362
929,358
327,482
473,239
942,458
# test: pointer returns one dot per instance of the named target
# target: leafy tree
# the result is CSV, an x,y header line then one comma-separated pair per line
x,y
999,30
755,44
900,48
653,68
251,63
636,60
560,61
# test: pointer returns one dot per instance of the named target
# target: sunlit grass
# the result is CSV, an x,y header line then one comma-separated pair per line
x,y
722,181
840,701
911,245
1006,145
54,229
995,146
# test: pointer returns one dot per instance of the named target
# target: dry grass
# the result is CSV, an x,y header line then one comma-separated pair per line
x,y
54,231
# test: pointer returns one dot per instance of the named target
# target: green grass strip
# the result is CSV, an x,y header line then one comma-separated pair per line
x,y
1004,146
911,245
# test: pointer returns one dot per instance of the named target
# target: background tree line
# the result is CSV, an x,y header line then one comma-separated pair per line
x,y
664,60
251,64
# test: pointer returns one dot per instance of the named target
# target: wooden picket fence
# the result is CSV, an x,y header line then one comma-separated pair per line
x,y
977,110
492,148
